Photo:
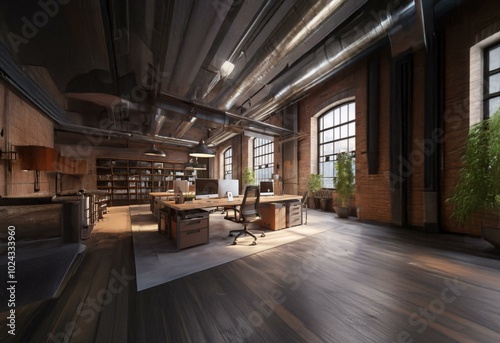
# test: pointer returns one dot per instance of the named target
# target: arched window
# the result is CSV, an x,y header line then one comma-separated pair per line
x,y
228,163
336,133
263,159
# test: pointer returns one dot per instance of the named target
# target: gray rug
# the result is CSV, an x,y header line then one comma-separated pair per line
x,y
157,260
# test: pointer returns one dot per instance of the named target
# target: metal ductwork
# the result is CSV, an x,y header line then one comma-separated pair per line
x,y
157,119
96,132
334,55
277,51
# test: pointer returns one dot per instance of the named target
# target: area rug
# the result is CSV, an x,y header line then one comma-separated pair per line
x,y
158,261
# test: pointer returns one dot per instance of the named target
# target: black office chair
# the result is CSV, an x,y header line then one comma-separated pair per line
x,y
247,213
304,207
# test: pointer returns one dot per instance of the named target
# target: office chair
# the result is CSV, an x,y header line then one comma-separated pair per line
x,y
304,207
247,213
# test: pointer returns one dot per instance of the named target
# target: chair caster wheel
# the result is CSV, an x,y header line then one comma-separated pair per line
x,y
253,243
230,235
263,235
235,243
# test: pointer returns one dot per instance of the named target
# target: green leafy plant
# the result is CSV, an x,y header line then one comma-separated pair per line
x,y
344,182
248,176
315,183
478,187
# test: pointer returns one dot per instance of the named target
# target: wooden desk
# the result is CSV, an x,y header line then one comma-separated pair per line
x,y
170,209
207,203
153,206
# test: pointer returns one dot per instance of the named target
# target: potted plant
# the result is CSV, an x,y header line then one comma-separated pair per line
x,y
324,195
343,184
314,185
478,188
248,178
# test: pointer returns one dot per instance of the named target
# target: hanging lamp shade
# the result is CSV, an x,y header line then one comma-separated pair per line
x,y
155,152
202,150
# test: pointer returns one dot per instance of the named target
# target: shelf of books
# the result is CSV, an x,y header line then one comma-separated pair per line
x,y
129,182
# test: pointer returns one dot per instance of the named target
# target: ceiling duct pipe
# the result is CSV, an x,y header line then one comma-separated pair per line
x,y
104,134
334,55
296,35
157,119
200,111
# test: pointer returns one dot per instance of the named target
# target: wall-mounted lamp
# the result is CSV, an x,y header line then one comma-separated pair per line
x,y
155,152
202,150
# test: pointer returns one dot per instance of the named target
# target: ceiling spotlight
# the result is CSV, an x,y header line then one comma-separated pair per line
x,y
202,150
155,152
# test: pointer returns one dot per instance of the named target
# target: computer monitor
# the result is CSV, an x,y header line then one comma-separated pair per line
x,y
266,188
228,186
206,188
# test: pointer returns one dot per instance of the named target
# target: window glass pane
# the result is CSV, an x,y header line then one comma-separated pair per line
x,y
328,182
328,119
336,117
342,145
327,149
344,116
494,57
494,83
328,169
336,133
328,136
352,129
352,111
343,131
352,144
494,105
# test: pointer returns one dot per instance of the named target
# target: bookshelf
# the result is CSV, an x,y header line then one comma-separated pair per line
x,y
129,182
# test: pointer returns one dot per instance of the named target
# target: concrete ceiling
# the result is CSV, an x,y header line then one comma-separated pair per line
x,y
152,70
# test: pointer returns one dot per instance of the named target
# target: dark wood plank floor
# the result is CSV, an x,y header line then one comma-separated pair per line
x,y
355,283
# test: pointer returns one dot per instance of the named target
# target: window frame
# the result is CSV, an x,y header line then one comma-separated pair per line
x,y
328,181
487,96
263,159
228,163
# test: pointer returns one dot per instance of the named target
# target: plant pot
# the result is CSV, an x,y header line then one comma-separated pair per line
x,y
491,235
323,204
342,212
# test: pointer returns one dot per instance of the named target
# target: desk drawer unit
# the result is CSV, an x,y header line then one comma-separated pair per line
x,y
163,221
293,214
273,215
190,231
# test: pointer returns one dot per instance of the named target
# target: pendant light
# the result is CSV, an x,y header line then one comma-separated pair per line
x,y
155,152
202,150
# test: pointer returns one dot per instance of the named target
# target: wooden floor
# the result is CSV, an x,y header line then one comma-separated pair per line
x,y
355,283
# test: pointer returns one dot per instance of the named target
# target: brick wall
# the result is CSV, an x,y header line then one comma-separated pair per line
x,y
465,27
372,190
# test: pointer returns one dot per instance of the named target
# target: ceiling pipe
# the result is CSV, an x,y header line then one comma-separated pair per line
x,y
262,12
104,133
157,120
298,34
184,127
331,57
182,106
